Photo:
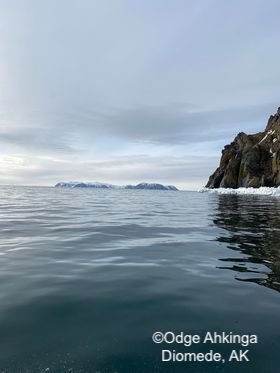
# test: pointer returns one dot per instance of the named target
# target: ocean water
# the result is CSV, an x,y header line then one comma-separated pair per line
x,y
87,276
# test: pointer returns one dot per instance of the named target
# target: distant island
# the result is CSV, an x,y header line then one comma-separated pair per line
x,y
97,185
251,160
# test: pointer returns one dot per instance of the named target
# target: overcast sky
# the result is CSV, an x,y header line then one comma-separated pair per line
x,y
130,91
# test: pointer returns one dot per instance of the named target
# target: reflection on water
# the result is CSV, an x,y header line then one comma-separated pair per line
x,y
252,227
87,276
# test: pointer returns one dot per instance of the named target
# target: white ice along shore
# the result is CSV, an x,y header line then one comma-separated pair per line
x,y
265,191
97,185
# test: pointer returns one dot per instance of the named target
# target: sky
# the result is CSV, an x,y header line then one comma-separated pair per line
x,y
128,91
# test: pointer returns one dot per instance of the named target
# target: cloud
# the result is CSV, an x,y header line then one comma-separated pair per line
x,y
174,124
38,140
171,124
84,84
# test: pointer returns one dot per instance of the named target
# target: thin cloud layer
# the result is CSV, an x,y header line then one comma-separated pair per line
x,y
131,91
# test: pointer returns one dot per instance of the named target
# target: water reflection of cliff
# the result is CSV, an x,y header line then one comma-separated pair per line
x,y
252,227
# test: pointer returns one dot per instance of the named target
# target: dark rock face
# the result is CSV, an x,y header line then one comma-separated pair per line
x,y
251,160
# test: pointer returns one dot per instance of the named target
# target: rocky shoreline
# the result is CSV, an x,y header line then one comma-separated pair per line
x,y
251,160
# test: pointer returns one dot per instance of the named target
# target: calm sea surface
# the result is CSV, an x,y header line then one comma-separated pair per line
x,y
87,276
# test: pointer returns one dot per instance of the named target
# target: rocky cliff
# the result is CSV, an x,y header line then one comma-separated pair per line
x,y
251,160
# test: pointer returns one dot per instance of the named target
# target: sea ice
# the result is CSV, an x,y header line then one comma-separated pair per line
x,y
257,191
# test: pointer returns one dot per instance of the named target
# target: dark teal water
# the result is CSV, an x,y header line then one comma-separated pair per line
x,y
87,276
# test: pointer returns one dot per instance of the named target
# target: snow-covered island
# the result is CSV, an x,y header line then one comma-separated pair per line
x,y
97,185
151,186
